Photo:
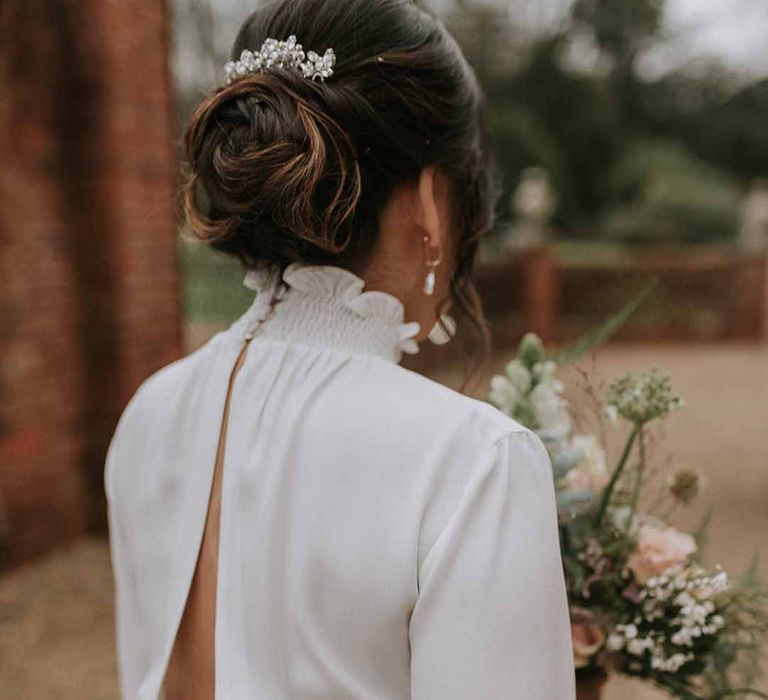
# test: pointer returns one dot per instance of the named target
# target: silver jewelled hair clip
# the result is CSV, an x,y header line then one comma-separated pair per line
x,y
284,54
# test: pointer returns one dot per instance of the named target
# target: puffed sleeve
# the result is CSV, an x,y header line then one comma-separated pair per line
x,y
491,618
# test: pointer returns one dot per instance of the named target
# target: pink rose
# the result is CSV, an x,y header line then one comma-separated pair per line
x,y
659,549
586,635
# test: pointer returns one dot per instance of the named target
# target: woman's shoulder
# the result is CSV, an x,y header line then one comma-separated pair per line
x,y
171,376
155,404
150,400
407,403
443,398
462,448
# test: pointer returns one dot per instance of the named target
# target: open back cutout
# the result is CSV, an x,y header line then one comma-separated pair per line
x,y
191,669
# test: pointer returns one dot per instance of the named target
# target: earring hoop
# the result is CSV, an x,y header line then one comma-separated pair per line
x,y
429,280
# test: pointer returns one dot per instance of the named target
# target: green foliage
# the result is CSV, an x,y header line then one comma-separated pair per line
x,y
212,288
731,131
661,192
633,159
565,122
530,350
620,27
521,140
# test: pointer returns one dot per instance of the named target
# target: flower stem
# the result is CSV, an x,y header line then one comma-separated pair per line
x,y
615,476
639,476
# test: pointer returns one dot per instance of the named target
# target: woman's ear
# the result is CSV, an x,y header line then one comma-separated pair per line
x,y
428,209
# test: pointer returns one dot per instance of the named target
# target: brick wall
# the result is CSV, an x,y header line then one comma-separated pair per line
x,y
88,272
703,294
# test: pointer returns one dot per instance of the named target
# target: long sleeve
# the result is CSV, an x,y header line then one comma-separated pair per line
x,y
130,642
491,619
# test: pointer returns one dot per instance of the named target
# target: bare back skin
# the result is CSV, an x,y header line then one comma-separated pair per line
x,y
191,669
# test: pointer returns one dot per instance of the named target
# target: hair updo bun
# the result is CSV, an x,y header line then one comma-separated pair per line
x,y
287,169
272,175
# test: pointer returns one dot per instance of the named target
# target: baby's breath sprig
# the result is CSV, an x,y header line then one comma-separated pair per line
x,y
677,616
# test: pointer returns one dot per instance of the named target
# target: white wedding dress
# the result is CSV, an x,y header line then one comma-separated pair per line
x,y
381,537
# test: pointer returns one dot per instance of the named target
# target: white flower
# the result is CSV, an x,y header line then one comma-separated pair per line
x,y
638,646
615,641
519,376
643,396
554,422
590,472
545,371
719,582
503,394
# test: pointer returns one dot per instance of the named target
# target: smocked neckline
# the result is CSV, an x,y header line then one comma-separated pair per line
x,y
328,304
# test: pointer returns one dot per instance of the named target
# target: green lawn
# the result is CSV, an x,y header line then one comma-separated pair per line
x,y
212,285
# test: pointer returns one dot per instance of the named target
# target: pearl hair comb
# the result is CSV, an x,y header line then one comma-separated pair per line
x,y
283,54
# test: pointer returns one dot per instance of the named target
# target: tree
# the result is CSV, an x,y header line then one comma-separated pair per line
x,y
621,28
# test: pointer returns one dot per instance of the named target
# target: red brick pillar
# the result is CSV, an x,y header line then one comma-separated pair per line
x,y
541,290
88,273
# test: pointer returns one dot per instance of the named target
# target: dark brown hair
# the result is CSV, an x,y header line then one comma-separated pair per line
x,y
285,169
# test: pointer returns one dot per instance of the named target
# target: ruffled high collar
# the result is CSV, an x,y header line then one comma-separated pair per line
x,y
326,305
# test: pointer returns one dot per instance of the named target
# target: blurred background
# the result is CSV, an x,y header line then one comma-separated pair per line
x,y
632,140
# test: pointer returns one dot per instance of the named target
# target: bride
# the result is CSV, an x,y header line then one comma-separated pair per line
x,y
292,513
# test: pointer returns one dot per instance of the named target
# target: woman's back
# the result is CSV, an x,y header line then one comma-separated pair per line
x,y
324,523
191,669
381,536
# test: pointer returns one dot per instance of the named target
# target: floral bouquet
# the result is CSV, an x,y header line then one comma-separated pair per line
x,y
642,601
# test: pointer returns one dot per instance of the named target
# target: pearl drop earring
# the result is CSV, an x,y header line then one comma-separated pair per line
x,y
429,280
